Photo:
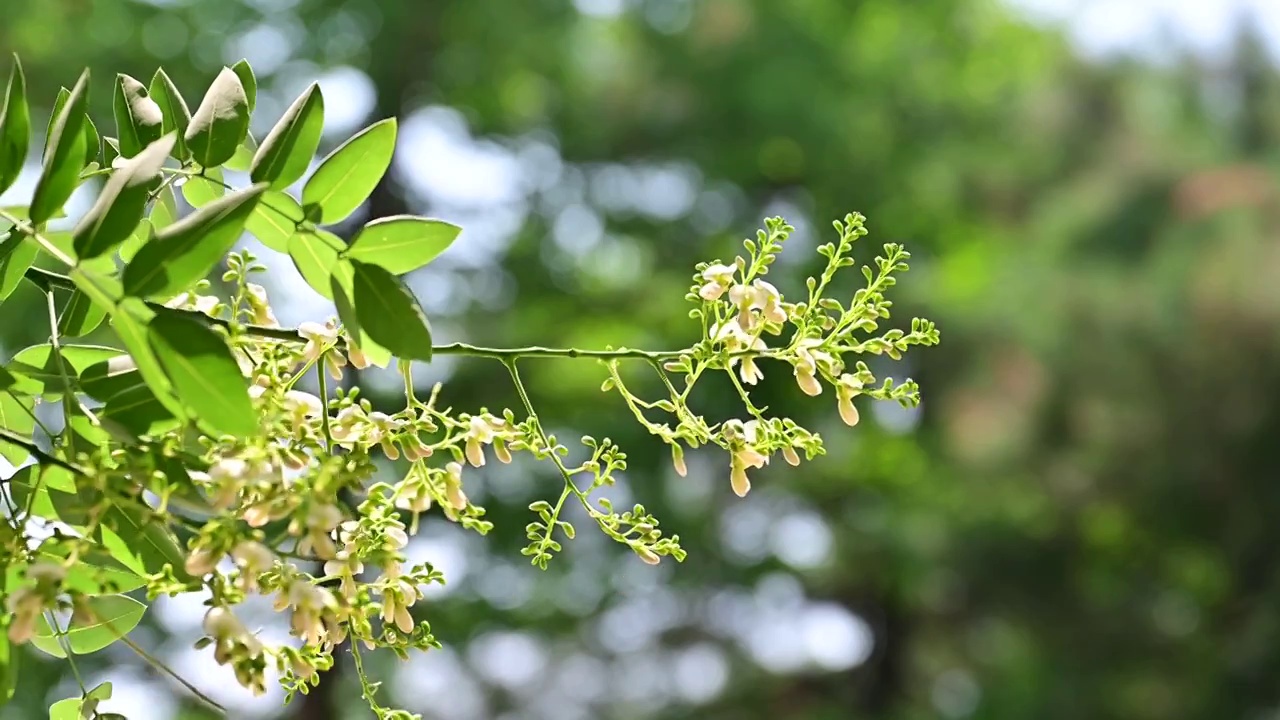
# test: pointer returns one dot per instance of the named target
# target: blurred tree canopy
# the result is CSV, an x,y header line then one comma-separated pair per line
x,y
1078,522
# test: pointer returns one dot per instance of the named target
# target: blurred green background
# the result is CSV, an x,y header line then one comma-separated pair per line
x,y
1079,522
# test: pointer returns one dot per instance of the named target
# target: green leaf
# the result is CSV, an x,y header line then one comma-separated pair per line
x,y
219,125
342,284
92,143
139,119
243,159
119,207
68,709
38,370
113,617
50,491
189,249
174,108
108,378
16,416
286,152
140,543
402,243
164,211
62,163
15,127
101,288
110,151
137,412
9,659
204,374
250,83
389,313
200,190
59,103
275,220
134,242
315,253
130,320
94,573
80,316
16,257
349,174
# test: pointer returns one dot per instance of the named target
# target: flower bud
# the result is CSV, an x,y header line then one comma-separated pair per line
x,y
789,454
677,459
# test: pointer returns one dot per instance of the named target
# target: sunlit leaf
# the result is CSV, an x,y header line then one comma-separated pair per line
x,y
80,315
389,313
243,159
219,125
202,189
61,171
287,150
315,253
139,119
50,491
107,378
402,243
92,144
17,416
119,207
342,283
130,321
186,251
94,572
347,176
68,709
15,127
9,659
247,79
137,412
16,257
275,220
39,373
113,617
140,543
177,117
205,375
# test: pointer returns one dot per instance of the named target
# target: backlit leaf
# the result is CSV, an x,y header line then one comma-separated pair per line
x,y
349,174
61,171
219,125
342,283
402,243
38,371
16,256
186,251
113,617
243,159
389,313
200,190
205,375
139,119
16,416
15,127
141,543
287,150
315,253
80,315
275,220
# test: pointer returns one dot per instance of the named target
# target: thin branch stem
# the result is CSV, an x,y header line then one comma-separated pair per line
x,y
41,455
157,664
45,244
